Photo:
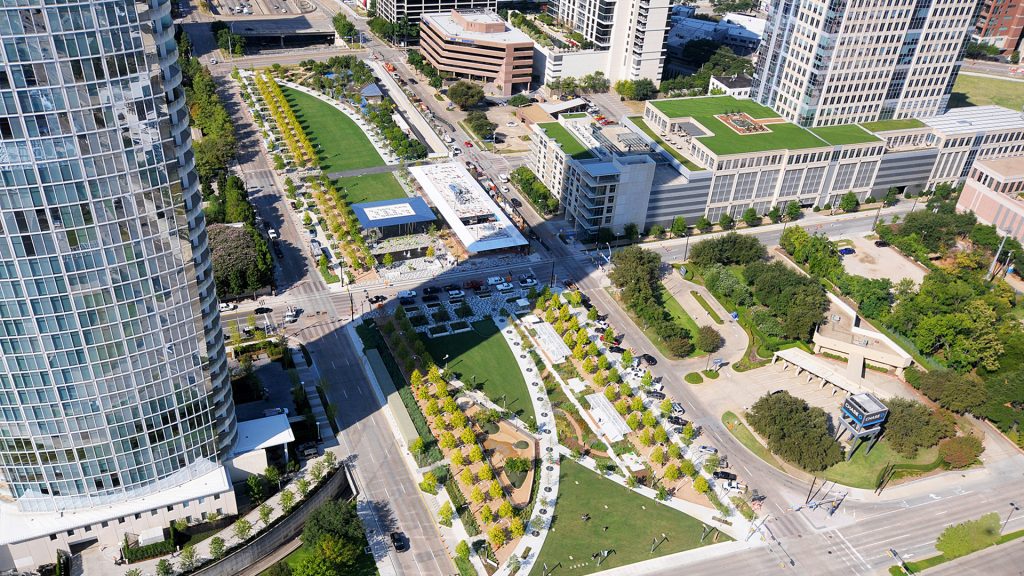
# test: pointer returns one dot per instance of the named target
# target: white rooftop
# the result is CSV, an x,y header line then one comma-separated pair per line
x,y
557,107
608,418
17,526
474,217
821,369
263,433
446,23
976,119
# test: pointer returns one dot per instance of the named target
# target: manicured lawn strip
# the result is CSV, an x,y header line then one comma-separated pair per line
x,y
675,309
844,134
665,145
339,141
933,561
370,188
979,91
725,140
863,470
465,566
484,353
883,125
631,528
574,115
747,438
570,145
649,331
704,304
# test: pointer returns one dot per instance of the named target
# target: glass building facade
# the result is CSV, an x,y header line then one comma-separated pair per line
x,y
113,376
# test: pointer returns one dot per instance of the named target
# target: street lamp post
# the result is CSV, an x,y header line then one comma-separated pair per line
x,y
1013,508
686,248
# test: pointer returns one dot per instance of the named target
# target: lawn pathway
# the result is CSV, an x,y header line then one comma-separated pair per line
x,y
543,503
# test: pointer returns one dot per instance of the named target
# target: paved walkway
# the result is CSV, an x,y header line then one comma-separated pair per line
x,y
310,377
549,465
734,337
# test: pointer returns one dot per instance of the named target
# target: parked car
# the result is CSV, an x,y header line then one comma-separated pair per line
x,y
450,287
723,475
473,284
495,280
456,293
309,450
678,408
526,283
431,298
226,306
881,243
655,395
648,359
707,450
616,349
431,290
406,301
504,286
407,294
676,421
847,251
377,299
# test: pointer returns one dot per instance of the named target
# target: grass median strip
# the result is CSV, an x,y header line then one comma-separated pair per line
x,y
707,307
747,438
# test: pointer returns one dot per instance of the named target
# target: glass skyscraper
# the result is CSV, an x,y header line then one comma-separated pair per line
x,y
113,376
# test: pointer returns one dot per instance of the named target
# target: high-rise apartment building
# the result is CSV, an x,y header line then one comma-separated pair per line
x,y
113,378
628,35
412,10
828,62
1001,24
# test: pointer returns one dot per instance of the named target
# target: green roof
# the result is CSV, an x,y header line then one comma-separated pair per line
x,y
574,115
675,153
570,145
724,140
883,125
844,134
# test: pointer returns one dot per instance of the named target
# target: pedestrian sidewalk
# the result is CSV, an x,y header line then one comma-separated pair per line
x,y
734,337
309,377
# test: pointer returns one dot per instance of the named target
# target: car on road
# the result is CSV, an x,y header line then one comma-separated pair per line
x,y
467,144
881,243
504,286
503,177
505,190
399,541
377,299
272,234
847,251
407,294
227,306
263,310
654,394
527,282
648,359
456,293
515,202
431,290
213,61
723,475
707,450
511,123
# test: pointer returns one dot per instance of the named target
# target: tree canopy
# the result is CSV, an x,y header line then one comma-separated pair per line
x,y
911,426
732,248
637,272
795,431
465,94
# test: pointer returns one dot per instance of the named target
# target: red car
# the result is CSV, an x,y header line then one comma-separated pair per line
x,y
467,144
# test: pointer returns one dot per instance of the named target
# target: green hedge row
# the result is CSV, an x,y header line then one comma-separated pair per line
x,y
140,553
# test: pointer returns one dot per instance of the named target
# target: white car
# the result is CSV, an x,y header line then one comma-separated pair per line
x,y
495,280
227,306
707,450
511,124
213,61
407,294
526,283
505,286
456,293
272,234
503,177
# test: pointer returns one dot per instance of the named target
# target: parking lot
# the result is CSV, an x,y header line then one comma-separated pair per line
x,y
872,261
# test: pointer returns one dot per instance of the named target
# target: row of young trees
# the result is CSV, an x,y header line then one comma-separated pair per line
x,y
295,138
404,145
535,190
340,223
586,84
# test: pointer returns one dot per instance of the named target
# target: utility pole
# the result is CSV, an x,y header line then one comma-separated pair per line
x,y
995,259
877,214
1013,508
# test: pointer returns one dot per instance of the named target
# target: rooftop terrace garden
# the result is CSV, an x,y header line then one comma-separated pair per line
x,y
570,145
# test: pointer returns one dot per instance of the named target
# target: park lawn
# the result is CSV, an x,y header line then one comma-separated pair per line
x,y
844,134
676,311
484,354
342,144
980,91
894,124
370,187
633,522
863,469
747,438
649,330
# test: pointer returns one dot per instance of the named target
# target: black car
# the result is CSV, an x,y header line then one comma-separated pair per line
x,y
881,243
431,290
377,299
616,349
399,541
655,395
676,420
430,299
723,475
648,359
515,202
263,310
406,301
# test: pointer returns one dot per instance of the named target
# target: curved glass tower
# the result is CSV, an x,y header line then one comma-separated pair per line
x,y
113,377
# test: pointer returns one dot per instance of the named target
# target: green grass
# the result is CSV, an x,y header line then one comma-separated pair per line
x,y
845,134
710,374
364,565
724,140
980,91
676,311
694,378
933,561
707,307
747,438
370,187
862,471
883,125
342,145
575,115
483,353
631,528
570,145
670,304
639,122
